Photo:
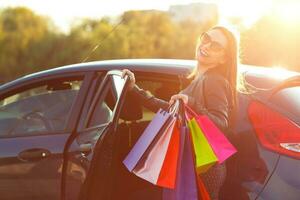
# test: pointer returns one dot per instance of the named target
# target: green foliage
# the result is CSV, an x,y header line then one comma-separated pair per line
x,y
25,39
29,42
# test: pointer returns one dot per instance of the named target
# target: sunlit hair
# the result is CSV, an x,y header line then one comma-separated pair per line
x,y
229,69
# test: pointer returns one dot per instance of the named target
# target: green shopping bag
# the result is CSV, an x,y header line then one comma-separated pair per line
x,y
204,154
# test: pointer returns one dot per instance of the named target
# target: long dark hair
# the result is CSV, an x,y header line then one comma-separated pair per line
x,y
229,69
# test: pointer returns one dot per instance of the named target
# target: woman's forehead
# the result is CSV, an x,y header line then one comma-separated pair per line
x,y
218,36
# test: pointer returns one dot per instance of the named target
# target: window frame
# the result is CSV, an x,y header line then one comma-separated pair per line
x,y
99,95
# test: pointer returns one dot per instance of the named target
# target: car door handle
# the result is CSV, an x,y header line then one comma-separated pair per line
x,y
34,154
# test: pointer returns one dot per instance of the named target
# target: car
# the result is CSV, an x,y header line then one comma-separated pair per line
x,y
64,132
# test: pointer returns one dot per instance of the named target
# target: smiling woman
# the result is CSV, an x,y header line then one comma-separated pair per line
x,y
212,91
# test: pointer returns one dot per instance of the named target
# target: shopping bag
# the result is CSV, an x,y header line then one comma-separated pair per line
x,y
150,165
202,191
161,118
186,178
204,155
221,146
167,176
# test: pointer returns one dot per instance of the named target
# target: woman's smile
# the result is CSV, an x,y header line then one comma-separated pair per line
x,y
203,52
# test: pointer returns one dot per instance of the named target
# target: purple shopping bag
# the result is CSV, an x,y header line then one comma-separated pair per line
x,y
221,146
160,120
186,178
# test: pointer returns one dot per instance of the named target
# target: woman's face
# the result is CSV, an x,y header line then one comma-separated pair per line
x,y
212,48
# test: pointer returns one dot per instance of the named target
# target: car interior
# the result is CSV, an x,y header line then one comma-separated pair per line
x,y
113,180
133,121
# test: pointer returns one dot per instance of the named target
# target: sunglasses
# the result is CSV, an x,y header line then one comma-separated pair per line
x,y
214,45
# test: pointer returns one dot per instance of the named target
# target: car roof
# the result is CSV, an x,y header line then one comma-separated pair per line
x,y
165,66
258,76
265,77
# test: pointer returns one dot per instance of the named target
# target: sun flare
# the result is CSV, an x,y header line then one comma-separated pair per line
x,y
288,12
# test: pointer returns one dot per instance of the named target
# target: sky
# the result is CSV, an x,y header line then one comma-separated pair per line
x,y
63,12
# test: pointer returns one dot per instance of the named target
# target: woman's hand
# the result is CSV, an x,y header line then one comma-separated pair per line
x,y
131,77
175,97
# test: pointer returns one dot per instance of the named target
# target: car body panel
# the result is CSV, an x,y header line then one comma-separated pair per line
x,y
31,164
258,168
284,184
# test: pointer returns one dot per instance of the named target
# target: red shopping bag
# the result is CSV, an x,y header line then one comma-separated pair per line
x,y
167,174
202,192
186,178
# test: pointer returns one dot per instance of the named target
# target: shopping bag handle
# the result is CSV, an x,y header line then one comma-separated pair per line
x,y
173,108
182,113
177,109
190,111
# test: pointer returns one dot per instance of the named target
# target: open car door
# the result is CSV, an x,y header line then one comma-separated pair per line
x,y
87,173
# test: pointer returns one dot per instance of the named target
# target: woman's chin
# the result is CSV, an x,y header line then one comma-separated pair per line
x,y
203,61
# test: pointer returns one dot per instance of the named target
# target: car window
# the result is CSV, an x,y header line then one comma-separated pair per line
x,y
40,109
161,88
288,99
104,108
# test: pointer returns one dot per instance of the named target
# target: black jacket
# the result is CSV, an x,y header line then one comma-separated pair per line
x,y
209,94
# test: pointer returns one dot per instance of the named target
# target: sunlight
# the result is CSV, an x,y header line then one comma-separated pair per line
x,y
280,72
288,11
248,11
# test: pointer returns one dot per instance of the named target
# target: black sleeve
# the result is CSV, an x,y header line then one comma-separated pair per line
x,y
148,100
216,103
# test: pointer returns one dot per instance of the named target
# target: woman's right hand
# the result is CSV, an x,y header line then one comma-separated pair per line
x,y
130,76
182,97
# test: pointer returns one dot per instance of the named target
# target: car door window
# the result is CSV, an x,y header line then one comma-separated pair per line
x,y
38,109
104,108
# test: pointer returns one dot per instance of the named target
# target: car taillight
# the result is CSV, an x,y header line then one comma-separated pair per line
x,y
275,131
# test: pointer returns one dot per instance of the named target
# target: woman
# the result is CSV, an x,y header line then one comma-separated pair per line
x,y
212,91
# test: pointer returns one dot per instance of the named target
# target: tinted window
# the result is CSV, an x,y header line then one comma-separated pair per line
x,y
39,109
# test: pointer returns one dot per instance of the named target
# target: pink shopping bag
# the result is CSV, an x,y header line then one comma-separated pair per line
x,y
221,146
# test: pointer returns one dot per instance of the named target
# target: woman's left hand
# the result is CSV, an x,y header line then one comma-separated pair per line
x,y
175,97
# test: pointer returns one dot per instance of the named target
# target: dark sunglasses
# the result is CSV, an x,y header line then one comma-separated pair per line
x,y
215,46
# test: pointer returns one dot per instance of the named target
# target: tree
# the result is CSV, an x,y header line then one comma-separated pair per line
x,y
21,30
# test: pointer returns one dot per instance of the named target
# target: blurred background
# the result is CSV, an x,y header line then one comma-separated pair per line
x,y
37,35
